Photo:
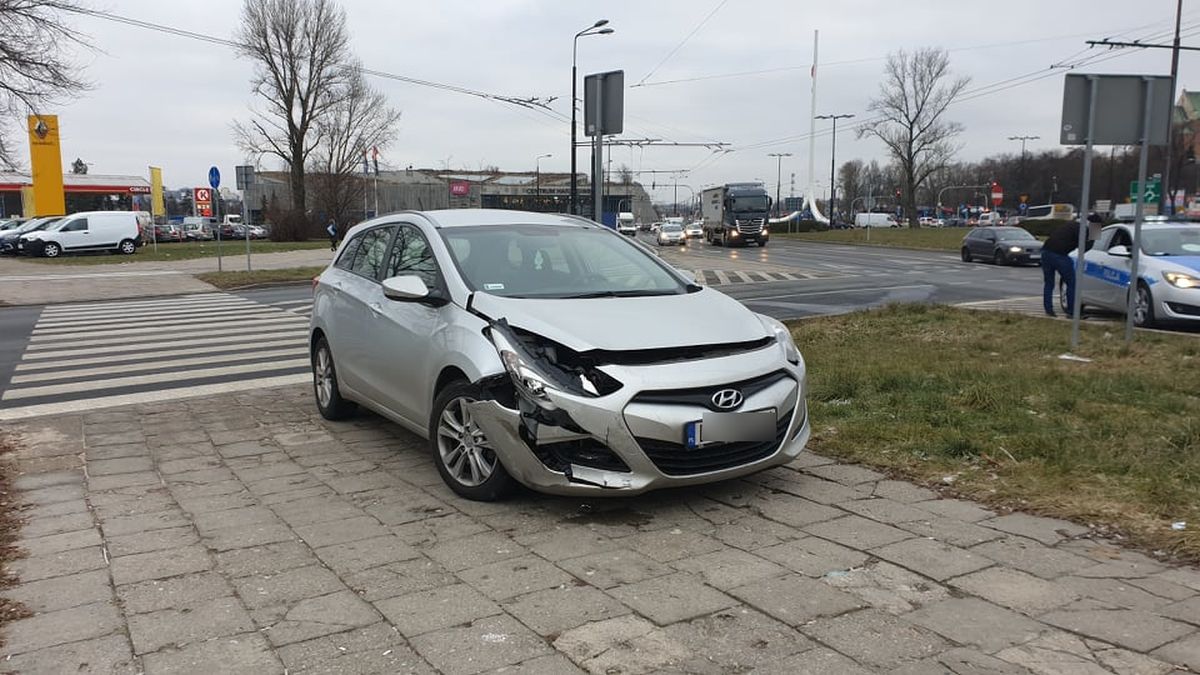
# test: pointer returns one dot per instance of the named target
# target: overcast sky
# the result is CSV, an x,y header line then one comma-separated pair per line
x,y
165,100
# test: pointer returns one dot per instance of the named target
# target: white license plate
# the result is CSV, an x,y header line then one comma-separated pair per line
x,y
714,427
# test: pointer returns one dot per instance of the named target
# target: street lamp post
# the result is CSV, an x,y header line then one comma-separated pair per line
x,y
1023,139
590,30
778,176
833,163
537,164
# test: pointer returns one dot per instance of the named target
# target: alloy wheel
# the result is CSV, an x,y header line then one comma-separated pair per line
x,y
464,449
323,377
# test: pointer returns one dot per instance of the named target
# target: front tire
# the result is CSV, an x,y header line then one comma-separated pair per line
x,y
762,244
461,451
1143,306
999,258
325,385
966,255
51,249
127,247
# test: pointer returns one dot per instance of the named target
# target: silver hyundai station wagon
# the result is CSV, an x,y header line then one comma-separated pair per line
x,y
550,351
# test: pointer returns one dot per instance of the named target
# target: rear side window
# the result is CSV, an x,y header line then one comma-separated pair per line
x,y
369,258
347,257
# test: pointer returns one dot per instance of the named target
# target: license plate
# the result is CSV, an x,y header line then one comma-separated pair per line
x,y
714,427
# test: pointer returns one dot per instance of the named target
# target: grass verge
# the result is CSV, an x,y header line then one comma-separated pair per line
x,y
187,250
981,401
925,238
239,279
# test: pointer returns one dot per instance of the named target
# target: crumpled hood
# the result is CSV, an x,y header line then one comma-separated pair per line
x,y
705,317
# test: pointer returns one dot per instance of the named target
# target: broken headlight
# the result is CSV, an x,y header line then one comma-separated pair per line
x,y
537,366
784,336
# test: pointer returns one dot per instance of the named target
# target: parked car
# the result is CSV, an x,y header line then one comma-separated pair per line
x,y
1168,284
10,238
87,231
1001,245
546,350
9,224
198,228
166,232
694,230
671,234
257,232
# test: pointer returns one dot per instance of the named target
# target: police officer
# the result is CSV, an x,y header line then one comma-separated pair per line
x,y
1056,254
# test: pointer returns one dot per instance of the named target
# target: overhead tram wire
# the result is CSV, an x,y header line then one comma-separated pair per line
x,y
687,37
531,103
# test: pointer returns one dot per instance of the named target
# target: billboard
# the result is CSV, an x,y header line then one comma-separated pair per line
x,y
202,201
460,188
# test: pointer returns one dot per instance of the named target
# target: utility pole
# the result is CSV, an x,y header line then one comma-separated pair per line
x,y
1023,139
833,163
778,177
1168,194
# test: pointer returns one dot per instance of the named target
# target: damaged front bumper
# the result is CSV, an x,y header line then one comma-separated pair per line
x,y
633,440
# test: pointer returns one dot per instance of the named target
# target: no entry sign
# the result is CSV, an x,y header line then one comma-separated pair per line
x,y
997,194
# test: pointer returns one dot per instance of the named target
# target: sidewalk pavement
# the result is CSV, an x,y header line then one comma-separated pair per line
x,y
244,534
30,283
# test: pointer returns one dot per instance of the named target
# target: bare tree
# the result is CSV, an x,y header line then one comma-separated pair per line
x,y
913,98
357,122
34,70
850,184
301,53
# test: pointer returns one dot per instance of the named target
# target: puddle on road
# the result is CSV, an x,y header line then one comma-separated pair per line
x,y
622,515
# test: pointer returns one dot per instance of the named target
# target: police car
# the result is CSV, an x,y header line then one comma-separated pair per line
x,y
1168,284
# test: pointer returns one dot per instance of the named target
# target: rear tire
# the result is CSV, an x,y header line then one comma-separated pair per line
x,y
461,451
325,385
966,255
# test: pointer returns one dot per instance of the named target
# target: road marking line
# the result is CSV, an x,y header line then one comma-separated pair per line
x,y
174,301
117,312
44,327
295,352
157,395
197,331
752,298
722,278
209,344
50,360
93,385
743,276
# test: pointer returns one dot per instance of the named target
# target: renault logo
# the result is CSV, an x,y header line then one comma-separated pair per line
x,y
41,129
727,399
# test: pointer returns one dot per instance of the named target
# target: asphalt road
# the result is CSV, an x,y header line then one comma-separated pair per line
x,y
65,358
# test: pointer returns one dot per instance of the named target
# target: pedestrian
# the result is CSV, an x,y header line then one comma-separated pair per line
x,y
1056,257
332,229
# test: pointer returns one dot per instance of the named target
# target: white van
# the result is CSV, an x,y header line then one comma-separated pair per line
x,y
626,224
86,231
875,220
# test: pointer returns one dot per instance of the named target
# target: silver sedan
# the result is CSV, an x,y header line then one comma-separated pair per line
x,y
549,351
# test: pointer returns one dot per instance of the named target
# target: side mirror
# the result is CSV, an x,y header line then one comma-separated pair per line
x,y
406,288
1120,251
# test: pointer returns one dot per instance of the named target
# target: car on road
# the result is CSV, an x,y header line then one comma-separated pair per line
x,y
694,230
656,226
10,238
875,220
1168,280
671,234
1001,245
85,232
545,350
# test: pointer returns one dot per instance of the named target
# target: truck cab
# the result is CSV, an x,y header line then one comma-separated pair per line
x,y
736,214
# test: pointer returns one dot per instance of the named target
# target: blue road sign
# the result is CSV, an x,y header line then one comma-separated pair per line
x,y
214,178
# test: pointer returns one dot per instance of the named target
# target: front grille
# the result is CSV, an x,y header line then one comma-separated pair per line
x,y
750,226
1184,309
702,396
675,459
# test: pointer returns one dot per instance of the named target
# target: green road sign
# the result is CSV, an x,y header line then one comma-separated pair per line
x,y
1153,191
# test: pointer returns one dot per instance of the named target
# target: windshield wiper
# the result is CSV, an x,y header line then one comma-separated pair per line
x,y
615,294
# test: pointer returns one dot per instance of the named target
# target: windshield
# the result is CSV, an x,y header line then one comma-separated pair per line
x,y
672,228
749,204
1172,241
539,261
1013,233
38,224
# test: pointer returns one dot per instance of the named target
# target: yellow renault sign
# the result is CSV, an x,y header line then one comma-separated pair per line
x,y
46,164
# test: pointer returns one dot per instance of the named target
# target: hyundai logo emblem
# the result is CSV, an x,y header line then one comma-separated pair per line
x,y
727,399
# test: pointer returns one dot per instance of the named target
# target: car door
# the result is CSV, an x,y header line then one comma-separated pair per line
x,y
407,334
354,285
1113,269
74,234
981,247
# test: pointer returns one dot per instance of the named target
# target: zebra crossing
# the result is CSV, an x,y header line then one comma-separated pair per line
x,y
99,354
725,277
